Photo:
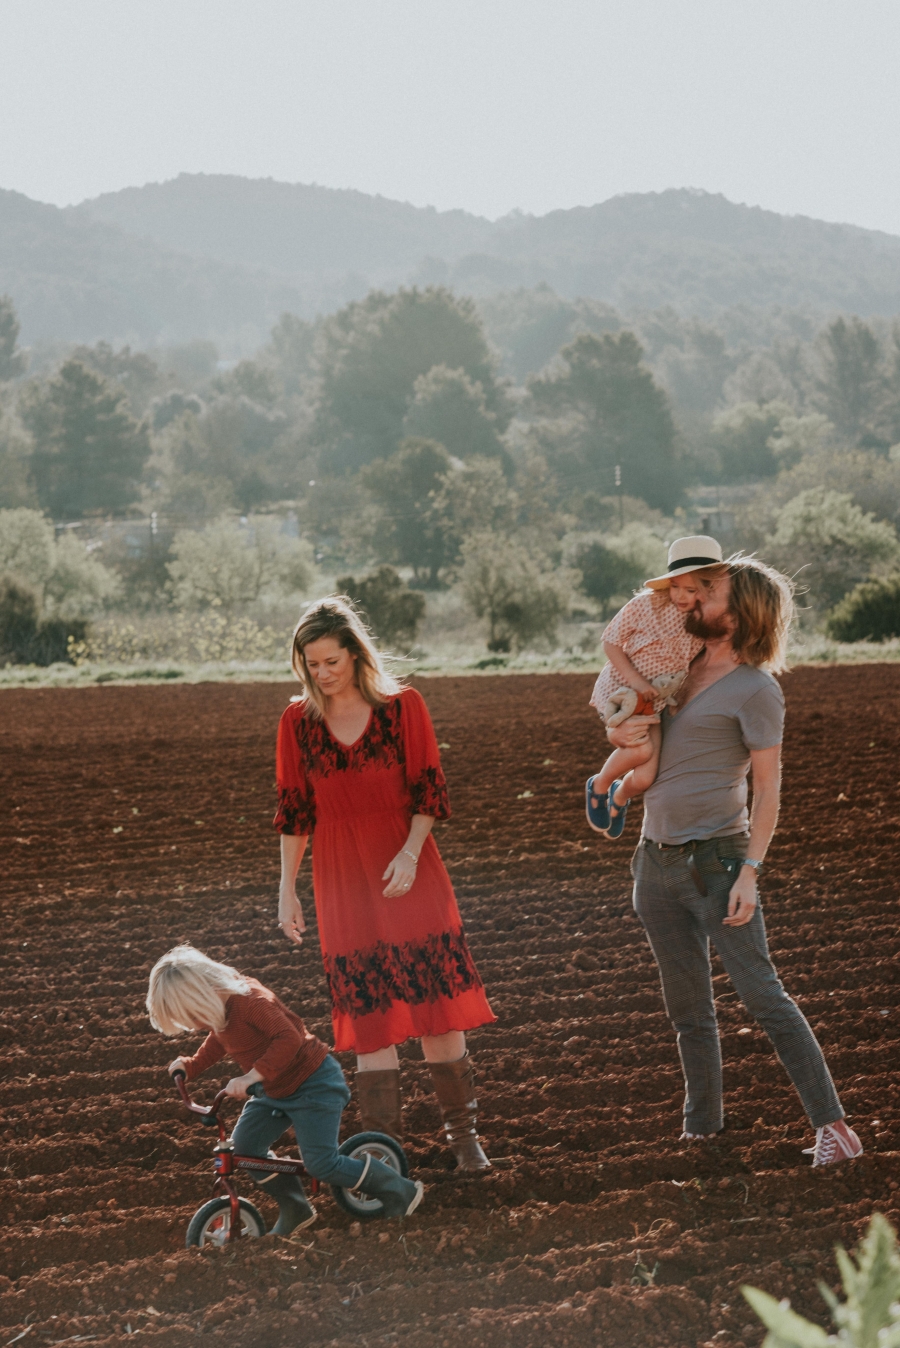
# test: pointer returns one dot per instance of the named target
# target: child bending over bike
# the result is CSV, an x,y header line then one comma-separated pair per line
x,y
292,1078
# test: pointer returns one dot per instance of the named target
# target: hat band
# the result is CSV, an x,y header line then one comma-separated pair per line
x,y
694,561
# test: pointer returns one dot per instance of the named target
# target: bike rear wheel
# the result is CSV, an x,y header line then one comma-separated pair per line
x,y
211,1224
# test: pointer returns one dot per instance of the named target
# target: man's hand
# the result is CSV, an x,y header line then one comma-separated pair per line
x,y
631,732
742,899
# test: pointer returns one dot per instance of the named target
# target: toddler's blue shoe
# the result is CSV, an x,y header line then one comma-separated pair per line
x,y
597,815
617,820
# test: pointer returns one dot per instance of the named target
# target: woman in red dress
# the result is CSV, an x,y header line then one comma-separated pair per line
x,y
358,766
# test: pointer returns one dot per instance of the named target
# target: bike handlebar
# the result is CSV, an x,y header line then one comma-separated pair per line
x,y
208,1114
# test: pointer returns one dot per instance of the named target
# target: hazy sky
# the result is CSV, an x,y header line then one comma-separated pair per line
x,y
484,104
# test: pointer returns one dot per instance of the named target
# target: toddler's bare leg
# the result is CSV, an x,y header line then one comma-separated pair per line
x,y
621,762
643,775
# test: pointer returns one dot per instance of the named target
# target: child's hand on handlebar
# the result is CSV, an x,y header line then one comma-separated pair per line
x,y
176,1065
236,1088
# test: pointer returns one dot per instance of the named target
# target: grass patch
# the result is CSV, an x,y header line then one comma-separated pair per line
x,y
454,658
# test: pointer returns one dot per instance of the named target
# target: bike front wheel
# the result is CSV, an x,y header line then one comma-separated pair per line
x,y
211,1224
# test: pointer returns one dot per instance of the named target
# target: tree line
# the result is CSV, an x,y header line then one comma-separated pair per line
x,y
392,434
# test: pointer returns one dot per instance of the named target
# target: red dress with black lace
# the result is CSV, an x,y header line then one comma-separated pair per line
x,y
396,968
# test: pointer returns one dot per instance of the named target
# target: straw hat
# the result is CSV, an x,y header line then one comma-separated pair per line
x,y
688,554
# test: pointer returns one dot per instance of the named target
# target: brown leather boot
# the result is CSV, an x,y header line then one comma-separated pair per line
x,y
380,1109
454,1086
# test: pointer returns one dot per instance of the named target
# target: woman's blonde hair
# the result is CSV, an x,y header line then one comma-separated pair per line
x,y
337,617
185,991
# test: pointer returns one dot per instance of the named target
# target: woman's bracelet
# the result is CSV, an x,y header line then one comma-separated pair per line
x,y
407,853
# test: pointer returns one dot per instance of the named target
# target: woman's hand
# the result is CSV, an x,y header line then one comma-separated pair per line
x,y
176,1065
400,875
631,732
290,916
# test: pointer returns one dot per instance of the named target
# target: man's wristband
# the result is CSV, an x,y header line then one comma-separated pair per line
x,y
755,865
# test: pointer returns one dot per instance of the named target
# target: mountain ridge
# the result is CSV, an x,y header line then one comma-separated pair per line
x,y
220,256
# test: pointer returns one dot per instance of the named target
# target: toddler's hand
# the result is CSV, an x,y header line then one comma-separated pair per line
x,y
176,1065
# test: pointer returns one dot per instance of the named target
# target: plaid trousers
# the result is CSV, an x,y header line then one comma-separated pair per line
x,y
680,922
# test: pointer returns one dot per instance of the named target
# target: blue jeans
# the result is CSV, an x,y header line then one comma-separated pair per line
x,y
680,922
314,1111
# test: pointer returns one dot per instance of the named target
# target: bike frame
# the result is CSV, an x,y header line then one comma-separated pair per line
x,y
227,1162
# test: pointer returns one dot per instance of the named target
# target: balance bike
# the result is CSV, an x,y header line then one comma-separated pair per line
x,y
229,1217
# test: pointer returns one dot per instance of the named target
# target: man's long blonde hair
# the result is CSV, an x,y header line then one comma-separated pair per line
x,y
336,616
761,602
185,991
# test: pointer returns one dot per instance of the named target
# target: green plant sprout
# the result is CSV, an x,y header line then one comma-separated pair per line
x,y
870,1316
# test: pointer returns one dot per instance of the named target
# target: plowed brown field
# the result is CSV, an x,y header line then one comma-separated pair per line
x,y
134,818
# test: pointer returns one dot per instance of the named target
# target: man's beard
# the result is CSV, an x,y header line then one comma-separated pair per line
x,y
714,629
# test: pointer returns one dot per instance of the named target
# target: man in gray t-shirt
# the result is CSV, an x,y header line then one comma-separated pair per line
x,y
701,787
696,865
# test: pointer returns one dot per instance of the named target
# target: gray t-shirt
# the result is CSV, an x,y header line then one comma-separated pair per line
x,y
701,787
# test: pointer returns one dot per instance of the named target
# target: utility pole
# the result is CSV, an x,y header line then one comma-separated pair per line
x,y
621,503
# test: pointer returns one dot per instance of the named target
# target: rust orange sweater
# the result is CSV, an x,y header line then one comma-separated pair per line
x,y
259,1032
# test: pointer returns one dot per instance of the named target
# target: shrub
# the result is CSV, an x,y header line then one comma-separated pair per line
x,y
605,573
25,637
612,566
206,637
871,612
870,1316
392,610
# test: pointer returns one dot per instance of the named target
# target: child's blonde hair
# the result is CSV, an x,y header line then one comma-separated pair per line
x,y
185,991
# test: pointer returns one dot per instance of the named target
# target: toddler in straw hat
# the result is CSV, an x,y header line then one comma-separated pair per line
x,y
648,653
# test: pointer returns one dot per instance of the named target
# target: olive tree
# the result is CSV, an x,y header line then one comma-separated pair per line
x,y
830,544
449,407
49,588
514,591
229,565
68,582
